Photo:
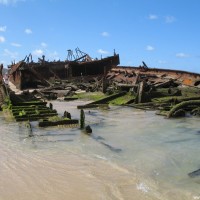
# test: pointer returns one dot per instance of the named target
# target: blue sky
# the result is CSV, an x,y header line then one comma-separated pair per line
x,y
162,33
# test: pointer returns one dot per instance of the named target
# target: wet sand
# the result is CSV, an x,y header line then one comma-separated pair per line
x,y
64,163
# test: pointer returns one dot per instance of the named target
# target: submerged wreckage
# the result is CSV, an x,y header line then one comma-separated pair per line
x,y
173,93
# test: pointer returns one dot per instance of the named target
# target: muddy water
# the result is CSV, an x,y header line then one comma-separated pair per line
x,y
131,154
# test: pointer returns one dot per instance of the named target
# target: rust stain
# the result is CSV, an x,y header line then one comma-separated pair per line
x,y
187,81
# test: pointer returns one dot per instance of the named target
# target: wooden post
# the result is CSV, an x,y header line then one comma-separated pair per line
x,y
140,93
82,120
104,85
51,106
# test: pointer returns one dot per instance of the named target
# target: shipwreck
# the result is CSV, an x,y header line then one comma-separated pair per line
x,y
28,74
78,65
148,88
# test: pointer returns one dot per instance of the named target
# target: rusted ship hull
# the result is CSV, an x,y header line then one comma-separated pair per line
x,y
27,74
133,75
30,75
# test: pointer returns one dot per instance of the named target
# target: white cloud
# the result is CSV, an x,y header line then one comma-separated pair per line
x,y
38,52
53,56
153,17
162,62
11,54
28,31
2,28
16,44
2,39
8,2
101,51
105,34
182,55
150,48
43,44
169,19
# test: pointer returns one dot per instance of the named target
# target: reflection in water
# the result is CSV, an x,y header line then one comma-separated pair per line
x,y
131,154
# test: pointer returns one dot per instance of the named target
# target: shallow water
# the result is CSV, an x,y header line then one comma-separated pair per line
x,y
132,154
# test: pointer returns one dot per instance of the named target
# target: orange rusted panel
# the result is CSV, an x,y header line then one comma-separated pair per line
x,y
187,81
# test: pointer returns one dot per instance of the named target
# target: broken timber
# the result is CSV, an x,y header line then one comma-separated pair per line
x,y
60,122
102,101
181,106
29,108
25,107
